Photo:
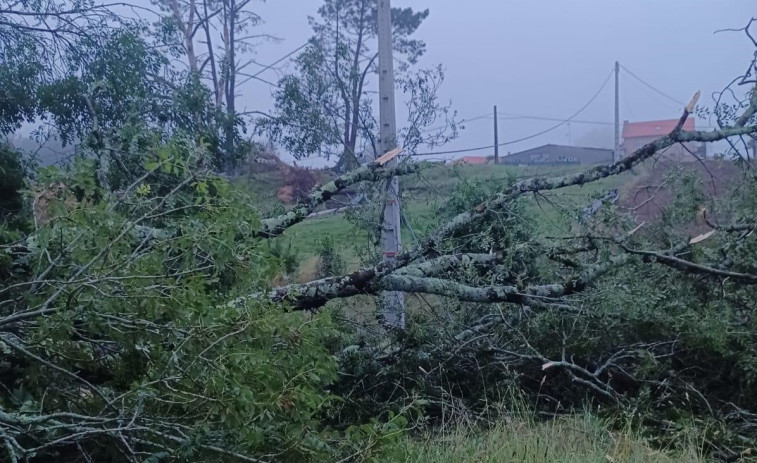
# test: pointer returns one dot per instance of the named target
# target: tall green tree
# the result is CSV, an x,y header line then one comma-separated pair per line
x,y
324,108
83,70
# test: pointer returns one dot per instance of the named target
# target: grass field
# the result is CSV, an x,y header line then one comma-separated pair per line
x,y
573,439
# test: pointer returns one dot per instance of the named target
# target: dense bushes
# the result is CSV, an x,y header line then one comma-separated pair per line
x,y
120,341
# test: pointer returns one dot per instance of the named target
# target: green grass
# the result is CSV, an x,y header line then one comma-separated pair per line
x,y
305,236
264,188
574,439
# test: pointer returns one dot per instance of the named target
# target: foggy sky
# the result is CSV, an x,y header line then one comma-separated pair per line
x,y
547,58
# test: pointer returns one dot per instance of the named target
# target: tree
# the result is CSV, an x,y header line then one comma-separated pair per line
x,y
213,37
152,372
324,108
37,39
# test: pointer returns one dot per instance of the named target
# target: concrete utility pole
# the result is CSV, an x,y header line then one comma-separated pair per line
x,y
393,302
496,138
616,152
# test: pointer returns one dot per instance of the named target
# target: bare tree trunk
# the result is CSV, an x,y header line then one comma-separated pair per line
x,y
187,31
211,56
356,84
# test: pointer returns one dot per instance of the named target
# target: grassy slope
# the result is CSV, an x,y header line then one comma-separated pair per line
x,y
574,439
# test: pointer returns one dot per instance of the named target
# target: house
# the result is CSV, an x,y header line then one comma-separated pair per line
x,y
471,160
638,134
559,154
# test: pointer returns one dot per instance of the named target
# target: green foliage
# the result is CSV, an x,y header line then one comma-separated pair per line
x,y
20,71
40,43
282,250
112,84
330,262
92,86
11,182
135,323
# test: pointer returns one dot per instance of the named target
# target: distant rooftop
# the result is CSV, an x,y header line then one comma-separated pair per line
x,y
472,160
560,154
653,128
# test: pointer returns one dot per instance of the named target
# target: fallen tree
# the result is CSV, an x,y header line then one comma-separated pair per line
x,y
382,277
119,341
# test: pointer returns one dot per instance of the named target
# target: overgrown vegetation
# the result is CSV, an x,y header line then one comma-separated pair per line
x,y
578,439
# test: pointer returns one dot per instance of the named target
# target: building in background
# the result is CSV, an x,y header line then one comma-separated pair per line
x,y
638,134
473,160
559,154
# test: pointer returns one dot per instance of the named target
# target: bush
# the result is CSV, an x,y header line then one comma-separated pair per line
x,y
301,181
330,263
11,182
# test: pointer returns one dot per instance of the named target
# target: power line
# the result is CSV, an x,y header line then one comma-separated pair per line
x,y
652,87
462,121
514,116
651,95
510,142
542,118
282,59
483,116
249,77
255,76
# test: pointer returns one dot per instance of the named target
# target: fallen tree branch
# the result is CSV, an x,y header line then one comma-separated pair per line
x,y
387,276
372,172
692,267
449,263
538,184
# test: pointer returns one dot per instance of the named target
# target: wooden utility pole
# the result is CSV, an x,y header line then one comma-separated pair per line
x,y
393,302
496,138
616,151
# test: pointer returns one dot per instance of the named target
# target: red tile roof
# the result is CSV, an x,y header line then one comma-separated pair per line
x,y
473,160
653,128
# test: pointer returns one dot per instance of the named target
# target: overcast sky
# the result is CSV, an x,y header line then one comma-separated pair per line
x,y
547,58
